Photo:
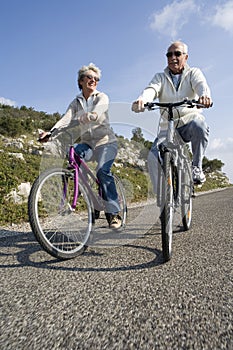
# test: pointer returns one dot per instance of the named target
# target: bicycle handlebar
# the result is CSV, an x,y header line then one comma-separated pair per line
x,y
190,103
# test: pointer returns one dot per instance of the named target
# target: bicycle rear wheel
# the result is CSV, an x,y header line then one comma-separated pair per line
x,y
186,196
121,200
60,230
168,188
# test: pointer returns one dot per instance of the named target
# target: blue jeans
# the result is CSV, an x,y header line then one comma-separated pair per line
x,y
104,155
196,132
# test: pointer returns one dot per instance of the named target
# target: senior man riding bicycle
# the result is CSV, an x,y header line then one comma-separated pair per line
x,y
177,82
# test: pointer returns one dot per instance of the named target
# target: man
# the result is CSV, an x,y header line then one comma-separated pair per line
x,y
177,82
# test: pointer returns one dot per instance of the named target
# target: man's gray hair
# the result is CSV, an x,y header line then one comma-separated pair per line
x,y
185,47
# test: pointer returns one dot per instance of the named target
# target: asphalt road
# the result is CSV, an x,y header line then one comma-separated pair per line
x,y
124,297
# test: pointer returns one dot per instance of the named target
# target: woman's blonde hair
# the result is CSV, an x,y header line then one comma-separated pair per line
x,y
84,69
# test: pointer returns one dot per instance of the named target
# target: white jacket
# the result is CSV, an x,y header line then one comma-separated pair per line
x,y
192,85
95,133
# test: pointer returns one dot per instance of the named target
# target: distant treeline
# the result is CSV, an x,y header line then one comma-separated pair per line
x,y
17,121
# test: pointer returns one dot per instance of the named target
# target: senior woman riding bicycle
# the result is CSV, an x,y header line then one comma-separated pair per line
x,y
89,112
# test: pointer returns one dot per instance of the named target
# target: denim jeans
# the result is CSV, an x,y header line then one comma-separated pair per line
x,y
196,132
104,155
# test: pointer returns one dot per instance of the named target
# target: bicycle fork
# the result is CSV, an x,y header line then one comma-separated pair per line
x,y
177,165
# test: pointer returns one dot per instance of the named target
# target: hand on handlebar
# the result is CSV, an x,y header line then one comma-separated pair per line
x,y
44,136
205,101
138,106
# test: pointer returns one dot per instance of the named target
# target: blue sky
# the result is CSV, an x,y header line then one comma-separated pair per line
x,y
44,43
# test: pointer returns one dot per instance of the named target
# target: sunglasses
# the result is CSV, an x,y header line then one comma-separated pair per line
x,y
176,53
92,77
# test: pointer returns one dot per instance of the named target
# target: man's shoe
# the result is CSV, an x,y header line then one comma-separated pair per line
x,y
114,221
198,176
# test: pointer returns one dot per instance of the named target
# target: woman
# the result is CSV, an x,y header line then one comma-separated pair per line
x,y
89,111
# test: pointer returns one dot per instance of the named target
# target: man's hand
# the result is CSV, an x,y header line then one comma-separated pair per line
x,y
206,101
138,106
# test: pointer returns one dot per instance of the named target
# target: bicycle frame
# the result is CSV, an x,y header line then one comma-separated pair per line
x,y
177,154
82,171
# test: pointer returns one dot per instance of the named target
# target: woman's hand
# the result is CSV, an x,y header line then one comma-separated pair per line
x,y
44,136
88,117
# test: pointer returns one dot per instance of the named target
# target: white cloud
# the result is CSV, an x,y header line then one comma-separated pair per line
x,y
7,101
216,144
173,17
224,16
219,145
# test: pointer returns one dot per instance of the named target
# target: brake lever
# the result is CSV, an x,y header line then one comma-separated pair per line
x,y
150,105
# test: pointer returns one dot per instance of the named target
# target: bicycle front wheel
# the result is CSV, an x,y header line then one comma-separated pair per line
x,y
168,188
62,231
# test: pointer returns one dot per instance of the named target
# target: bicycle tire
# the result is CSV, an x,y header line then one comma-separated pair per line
x,y
121,199
186,196
61,231
167,206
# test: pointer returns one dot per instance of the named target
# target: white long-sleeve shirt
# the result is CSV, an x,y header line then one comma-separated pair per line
x,y
192,85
